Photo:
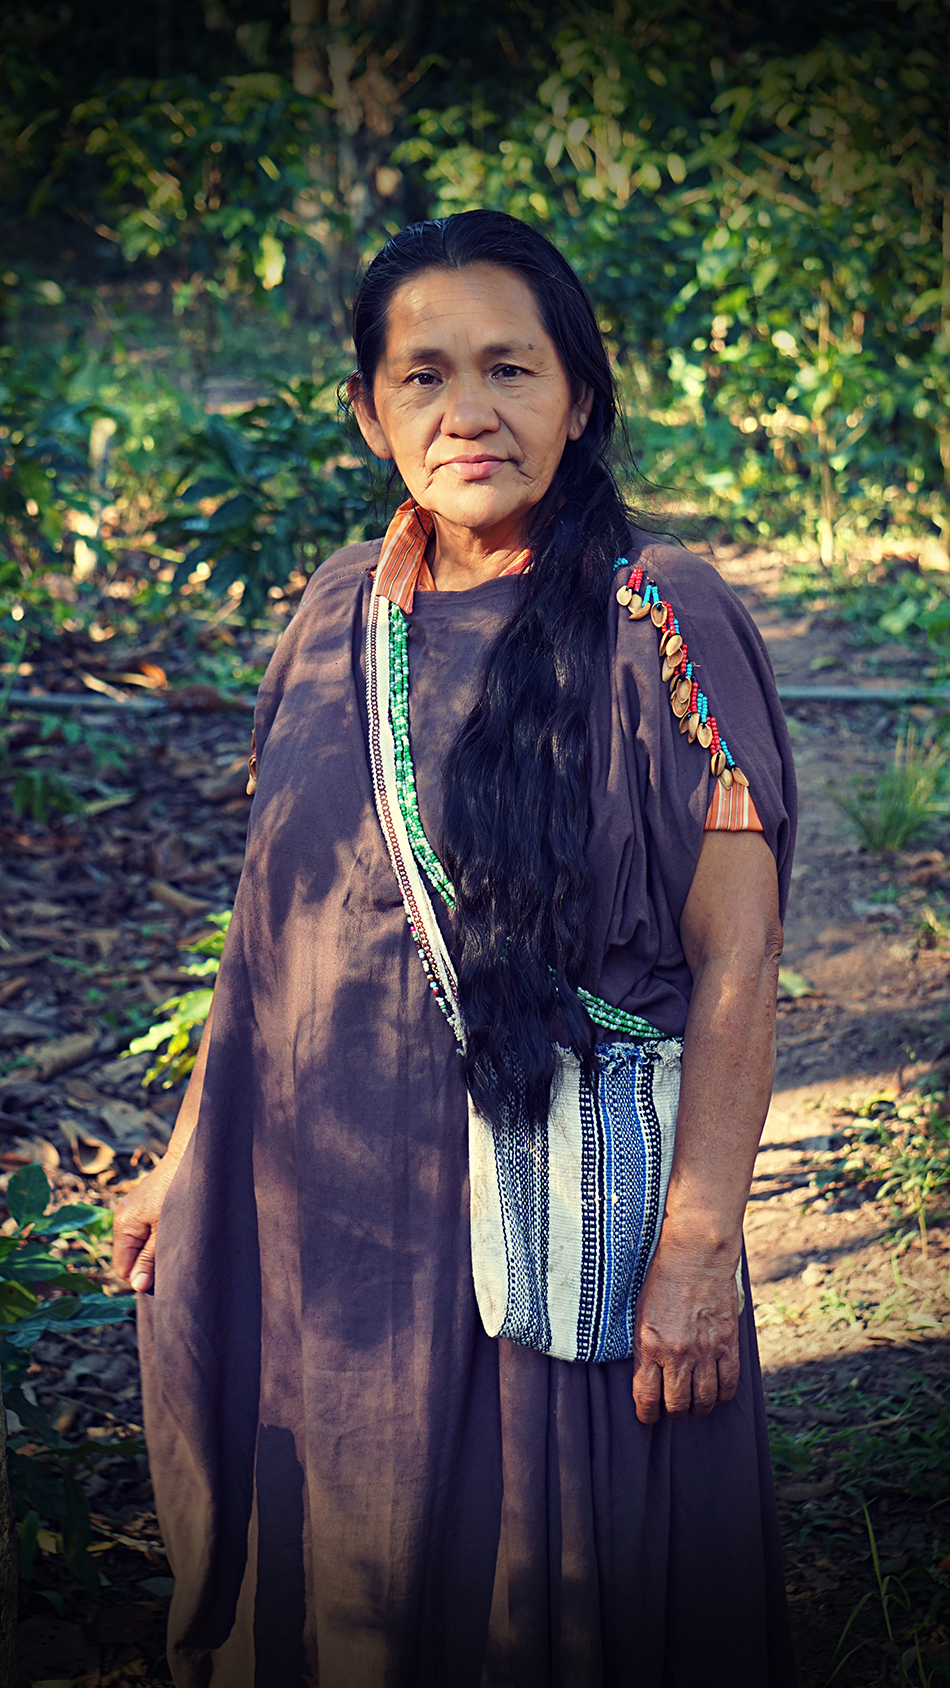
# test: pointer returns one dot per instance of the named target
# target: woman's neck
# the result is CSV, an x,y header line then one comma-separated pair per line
x,y
459,558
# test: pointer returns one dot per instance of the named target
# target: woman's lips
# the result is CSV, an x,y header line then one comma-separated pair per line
x,y
474,468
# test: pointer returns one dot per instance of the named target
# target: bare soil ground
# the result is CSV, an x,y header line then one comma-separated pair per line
x,y
852,1326
853,1331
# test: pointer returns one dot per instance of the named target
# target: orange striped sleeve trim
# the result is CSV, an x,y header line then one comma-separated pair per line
x,y
732,810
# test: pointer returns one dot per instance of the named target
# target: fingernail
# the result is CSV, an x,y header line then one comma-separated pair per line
x,y
139,1281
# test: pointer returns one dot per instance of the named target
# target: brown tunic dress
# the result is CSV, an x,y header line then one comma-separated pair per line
x,y
357,1487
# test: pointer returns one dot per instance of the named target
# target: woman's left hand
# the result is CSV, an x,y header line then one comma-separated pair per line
x,y
686,1343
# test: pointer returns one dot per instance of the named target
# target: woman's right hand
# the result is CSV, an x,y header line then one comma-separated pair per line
x,y
135,1226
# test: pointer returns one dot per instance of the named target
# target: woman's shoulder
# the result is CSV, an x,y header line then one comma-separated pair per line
x,y
687,574
341,573
690,584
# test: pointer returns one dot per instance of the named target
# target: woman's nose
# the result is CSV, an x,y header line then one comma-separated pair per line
x,y
468,410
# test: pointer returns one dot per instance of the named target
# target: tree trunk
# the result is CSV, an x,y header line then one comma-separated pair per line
x,y
9,1567
943,427
826,523
308,74
336,55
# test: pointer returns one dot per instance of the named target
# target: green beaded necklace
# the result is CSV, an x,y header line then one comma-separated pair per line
x,y
602,1013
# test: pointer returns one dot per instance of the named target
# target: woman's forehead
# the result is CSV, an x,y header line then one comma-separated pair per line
x,y
482,303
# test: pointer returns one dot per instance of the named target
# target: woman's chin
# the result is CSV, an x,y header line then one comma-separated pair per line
x,y
477,505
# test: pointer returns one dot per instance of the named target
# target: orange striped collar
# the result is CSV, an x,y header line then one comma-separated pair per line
x,y
402,569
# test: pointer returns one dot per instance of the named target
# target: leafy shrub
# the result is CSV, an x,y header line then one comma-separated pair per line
x,y
901,1152
182,1015
79,435
267,494
40,1293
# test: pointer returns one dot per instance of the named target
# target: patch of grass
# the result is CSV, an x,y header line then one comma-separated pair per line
x,y
882,1480
899,1610
897,807
932,921
902,1148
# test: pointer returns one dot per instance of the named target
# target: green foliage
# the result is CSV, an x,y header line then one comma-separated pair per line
x,y
878,604
267,494
762,231
898,806
895,1604
41,794
760,234
182,1016
42,1292
193,170
80,431
44,461
901,1153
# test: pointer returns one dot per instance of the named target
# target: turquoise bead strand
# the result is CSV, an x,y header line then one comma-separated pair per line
x,y
602,1013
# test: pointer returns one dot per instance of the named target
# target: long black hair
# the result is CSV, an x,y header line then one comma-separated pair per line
x,y
517,787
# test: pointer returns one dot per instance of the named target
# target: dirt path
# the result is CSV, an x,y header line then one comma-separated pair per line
x,y
852,1330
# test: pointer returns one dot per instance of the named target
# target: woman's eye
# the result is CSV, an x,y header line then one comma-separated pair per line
x,y
509,371
423,378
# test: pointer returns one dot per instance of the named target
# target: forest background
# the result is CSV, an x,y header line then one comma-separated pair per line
x,y
758,200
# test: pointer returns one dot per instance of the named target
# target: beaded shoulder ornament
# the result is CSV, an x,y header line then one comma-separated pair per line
x,y
397,804
641,598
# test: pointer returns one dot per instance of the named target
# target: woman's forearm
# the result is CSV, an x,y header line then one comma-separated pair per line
x,y
733,941
728,1067
687,1341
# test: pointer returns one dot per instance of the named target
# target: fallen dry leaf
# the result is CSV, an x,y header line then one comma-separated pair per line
x,y
57,1056
131,1126
22,958
90,1153
21,1028
177,900
25,1151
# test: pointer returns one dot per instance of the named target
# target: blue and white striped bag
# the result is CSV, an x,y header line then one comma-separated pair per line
x,y
566,1216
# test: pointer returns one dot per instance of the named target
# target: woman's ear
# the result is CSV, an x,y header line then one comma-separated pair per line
x,y
368,422
580,413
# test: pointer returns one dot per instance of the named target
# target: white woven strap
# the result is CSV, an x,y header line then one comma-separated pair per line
x,y
382,756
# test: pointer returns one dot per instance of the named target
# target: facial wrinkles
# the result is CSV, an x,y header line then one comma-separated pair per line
x,y
472,400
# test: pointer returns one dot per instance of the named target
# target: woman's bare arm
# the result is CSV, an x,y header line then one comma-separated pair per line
x,y
687,1352
135,1226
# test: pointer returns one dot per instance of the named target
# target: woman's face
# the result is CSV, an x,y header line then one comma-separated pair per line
x,y
471,400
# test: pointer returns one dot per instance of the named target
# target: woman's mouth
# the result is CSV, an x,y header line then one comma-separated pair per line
x,y
474,468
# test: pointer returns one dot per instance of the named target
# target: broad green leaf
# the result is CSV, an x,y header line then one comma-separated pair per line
x,y
28,1194
75,1218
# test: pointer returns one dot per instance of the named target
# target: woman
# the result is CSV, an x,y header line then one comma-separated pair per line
x,y
357,1485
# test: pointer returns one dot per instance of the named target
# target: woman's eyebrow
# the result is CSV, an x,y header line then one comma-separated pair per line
x,y
438,354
